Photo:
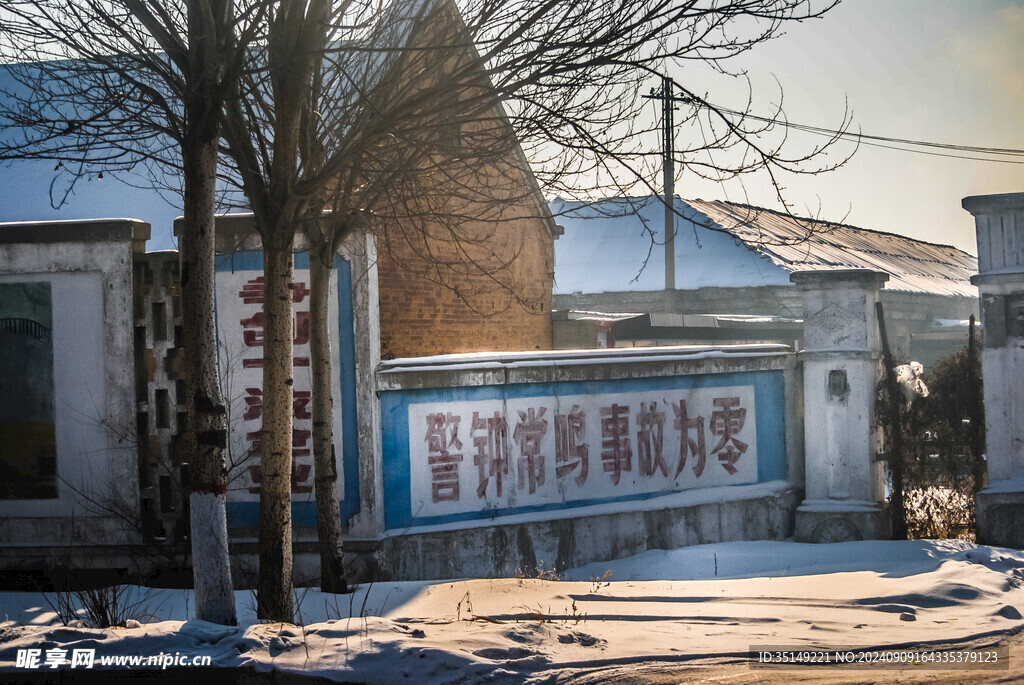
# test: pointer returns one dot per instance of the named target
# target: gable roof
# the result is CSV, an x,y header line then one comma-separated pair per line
x,y
725,244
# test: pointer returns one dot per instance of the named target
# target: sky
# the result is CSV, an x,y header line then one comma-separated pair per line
x,y
935,70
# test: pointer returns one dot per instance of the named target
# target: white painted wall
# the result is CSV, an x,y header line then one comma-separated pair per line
x,y
237,378
479,446
97,463
1003,373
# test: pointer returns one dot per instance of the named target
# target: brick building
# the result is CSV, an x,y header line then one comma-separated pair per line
x,y
477,274
419,316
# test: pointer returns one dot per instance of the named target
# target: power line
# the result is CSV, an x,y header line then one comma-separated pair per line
x,y
886,142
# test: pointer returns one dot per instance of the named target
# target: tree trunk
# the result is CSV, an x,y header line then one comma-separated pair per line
x,y
206,434
275,598
328,513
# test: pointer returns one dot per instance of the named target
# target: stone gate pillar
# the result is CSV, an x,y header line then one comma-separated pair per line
x,y
999,221
842,349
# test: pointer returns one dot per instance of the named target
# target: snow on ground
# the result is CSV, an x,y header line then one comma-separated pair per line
x,y
704,601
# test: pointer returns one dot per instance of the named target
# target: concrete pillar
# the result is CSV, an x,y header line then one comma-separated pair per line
x,y
843,479
999,221
361,251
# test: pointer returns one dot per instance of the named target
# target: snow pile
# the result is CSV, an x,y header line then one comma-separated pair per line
x,y
705,601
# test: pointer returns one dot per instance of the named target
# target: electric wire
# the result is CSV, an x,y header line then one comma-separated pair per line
x,y
886,142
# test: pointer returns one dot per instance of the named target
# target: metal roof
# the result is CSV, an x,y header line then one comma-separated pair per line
x,y
797,244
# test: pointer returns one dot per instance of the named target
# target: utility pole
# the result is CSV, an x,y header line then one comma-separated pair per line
x,y
667,97
668,184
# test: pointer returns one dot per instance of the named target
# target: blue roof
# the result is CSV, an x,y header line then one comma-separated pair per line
x,y
617,245
25,195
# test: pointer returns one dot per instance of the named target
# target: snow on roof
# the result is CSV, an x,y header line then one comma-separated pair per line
x,y
616,244
533,358
912,265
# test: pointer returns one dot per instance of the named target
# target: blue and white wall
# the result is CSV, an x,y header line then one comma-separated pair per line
x,y
557,450
239,297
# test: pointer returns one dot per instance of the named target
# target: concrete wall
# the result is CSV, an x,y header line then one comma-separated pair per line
x,y
841,364
555,544
598,452
88,266
160,401
497,463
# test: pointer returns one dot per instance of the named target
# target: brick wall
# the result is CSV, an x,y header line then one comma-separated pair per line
x,y
496,302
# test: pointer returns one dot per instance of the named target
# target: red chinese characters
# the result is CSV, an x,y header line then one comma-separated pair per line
x,y
650,440
616,453
571,452
254,404
252,292
632,427
490,437
726,422
301,472
528,435
687,444
252,328
442,433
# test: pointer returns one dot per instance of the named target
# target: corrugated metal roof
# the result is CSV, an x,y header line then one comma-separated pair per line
x,y
797,244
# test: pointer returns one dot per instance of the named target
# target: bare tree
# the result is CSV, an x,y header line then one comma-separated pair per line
x,y
414,121
108,86
411,120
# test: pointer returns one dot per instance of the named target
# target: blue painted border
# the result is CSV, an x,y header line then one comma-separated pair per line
x,y
769,398
247,514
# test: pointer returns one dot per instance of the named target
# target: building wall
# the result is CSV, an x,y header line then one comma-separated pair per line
x,y
160,403
87,268
464,236
474,310
420,429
